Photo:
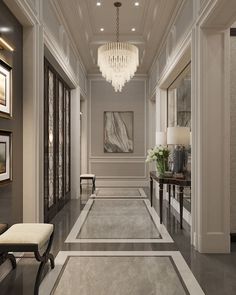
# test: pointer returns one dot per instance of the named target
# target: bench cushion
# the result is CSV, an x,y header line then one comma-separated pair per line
x,y
27,233
87,175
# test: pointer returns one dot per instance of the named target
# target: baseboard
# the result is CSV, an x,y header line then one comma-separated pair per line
x,y
214,243
121,183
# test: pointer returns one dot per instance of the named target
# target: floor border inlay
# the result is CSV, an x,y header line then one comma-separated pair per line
x,y
141,196
72,237
186,277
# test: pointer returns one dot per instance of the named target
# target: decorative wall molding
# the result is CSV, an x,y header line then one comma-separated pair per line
x,y
62,20
55,50
118,159
170,56
67,47
121,161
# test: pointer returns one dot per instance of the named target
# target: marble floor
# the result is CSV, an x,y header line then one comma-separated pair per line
x,y
124,267
120,193
126,273
118,220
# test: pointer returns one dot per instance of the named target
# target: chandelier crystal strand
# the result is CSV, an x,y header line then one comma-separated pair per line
x,y
118,61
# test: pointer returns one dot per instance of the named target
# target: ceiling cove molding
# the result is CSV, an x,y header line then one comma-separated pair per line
x,y
164,39
58,11
23,11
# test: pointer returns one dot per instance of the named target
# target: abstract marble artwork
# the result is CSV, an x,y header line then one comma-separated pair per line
x,y
118,132
121,273
118,220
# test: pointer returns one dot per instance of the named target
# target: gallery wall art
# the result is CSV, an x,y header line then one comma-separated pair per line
x,y
118,132
5,89
5,156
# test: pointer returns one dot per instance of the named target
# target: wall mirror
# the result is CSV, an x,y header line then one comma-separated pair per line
x,y
179,114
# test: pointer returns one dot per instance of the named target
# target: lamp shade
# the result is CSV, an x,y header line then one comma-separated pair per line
x,y
178,135
160,138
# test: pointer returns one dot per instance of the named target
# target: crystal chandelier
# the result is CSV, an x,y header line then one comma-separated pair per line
x,y
118,61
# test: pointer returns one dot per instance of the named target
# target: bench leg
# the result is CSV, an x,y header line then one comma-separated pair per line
x,y
12,258
94,187
43,259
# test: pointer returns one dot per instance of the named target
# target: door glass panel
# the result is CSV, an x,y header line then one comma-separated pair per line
x,y
50,139
60,142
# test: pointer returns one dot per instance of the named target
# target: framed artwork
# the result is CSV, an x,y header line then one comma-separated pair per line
x,y
118,132
5,89
5,156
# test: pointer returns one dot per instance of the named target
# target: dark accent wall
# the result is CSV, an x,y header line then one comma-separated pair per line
x,y
11,194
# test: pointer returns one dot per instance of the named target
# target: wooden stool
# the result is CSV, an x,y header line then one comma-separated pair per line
x,y
29,237
88,177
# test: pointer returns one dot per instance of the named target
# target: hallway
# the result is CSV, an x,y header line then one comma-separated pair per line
x,y
113,243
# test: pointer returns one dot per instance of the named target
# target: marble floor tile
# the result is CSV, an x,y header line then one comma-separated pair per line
x,y
119,193
121,273
216,273
118,220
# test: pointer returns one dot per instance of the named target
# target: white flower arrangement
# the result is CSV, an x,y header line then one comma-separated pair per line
x,y
160,155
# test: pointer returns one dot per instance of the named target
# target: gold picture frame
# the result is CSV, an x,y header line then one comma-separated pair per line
x,y
5,156
5,90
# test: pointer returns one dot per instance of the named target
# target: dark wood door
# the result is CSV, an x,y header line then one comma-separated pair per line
x,y
56,142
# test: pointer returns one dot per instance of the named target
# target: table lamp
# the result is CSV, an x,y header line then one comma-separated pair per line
x,y
180,138
161,138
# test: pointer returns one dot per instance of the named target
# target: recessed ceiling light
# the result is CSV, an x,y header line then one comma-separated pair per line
x,y
133,29
102,29
99,3
136,3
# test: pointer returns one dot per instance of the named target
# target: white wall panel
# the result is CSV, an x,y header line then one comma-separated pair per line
x,y
104,98
118,170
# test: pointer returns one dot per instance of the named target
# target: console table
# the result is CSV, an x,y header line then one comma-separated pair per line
x,y
180,182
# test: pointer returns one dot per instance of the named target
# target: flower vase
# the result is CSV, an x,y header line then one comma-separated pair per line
x,y
161,167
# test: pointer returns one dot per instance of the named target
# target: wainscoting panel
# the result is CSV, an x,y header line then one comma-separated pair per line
x,y
114,169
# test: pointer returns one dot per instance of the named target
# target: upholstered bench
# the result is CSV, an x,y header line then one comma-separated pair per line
x,y
88,177
29,237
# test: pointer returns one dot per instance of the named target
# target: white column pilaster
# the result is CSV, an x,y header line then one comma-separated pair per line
x,y
211,140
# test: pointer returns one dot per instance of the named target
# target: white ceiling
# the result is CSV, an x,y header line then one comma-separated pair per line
x,y
150,19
